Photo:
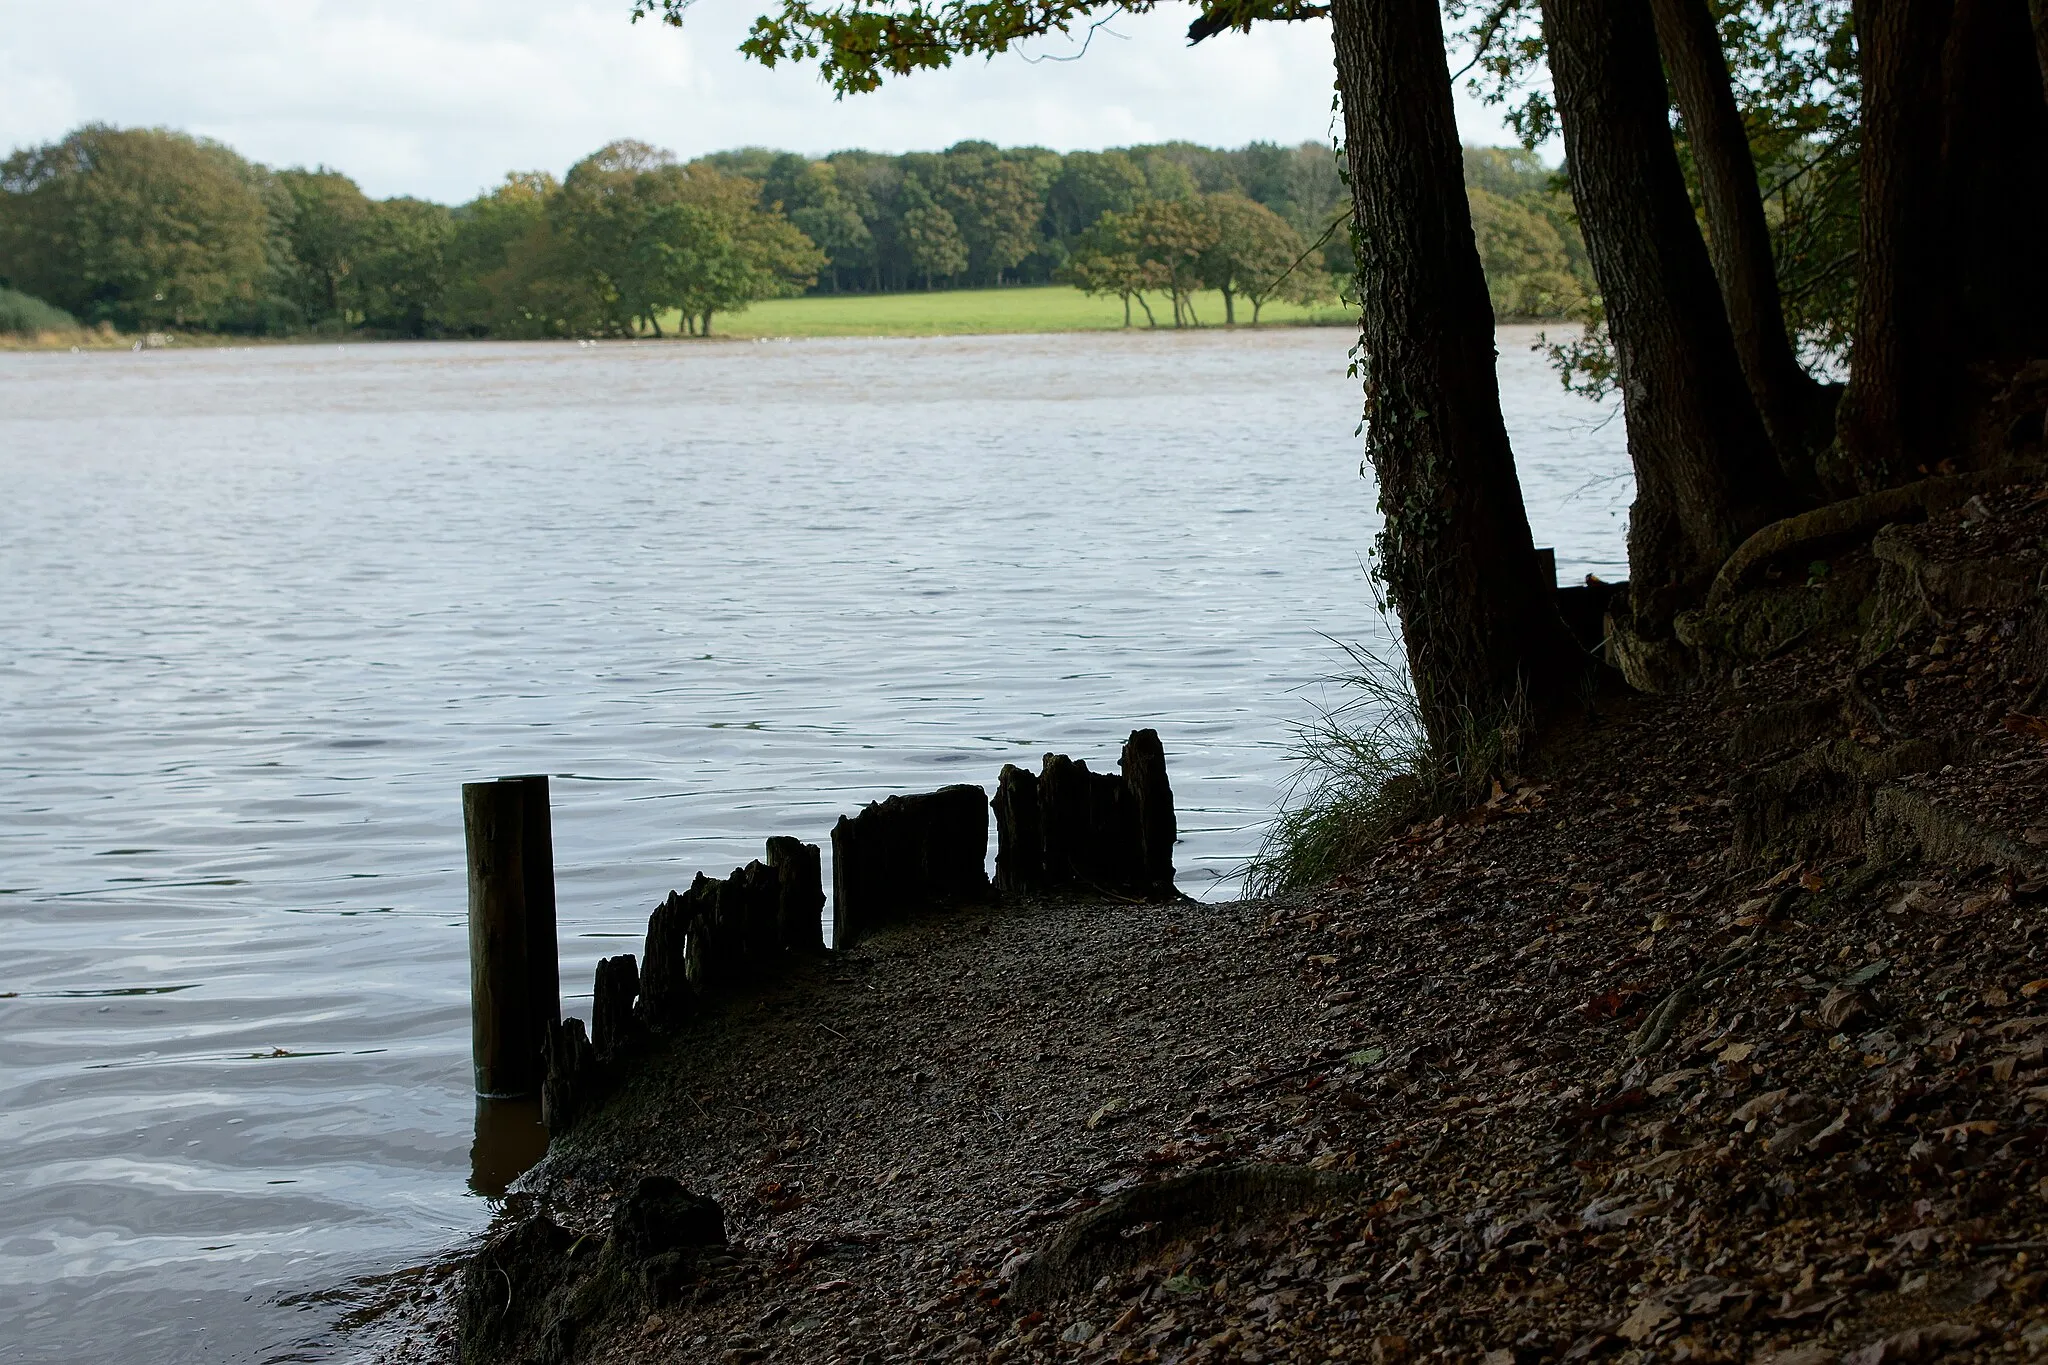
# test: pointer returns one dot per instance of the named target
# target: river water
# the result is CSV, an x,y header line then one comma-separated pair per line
x,y
264,610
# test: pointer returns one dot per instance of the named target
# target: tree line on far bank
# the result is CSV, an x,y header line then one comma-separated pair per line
x,y
151,229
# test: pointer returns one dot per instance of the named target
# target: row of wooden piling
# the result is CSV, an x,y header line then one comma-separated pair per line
x,y
1062,829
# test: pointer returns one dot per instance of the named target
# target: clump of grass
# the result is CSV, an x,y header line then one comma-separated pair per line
x,y
1366,768
25,315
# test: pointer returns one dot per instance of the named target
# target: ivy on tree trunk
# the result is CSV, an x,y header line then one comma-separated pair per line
x,y
1479,622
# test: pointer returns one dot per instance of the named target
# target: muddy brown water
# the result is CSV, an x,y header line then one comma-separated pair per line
x,y
264,610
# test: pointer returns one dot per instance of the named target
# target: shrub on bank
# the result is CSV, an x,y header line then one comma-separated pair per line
x,y
25,315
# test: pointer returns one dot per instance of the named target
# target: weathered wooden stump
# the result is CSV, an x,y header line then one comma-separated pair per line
x,y
1020,839
668,994
1144,769
1071,829
1089,824
800,894
614,1028
908,853
572,1076
537,862
506,1017
759,913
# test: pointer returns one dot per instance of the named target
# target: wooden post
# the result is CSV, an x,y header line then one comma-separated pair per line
x,y
1063,821
537,856
800,894
1144,769
908,853
613,1026
505,1020
849,883
1020,844
667,981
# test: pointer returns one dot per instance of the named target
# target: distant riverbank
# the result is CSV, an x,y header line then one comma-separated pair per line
x,y
940,312
973,312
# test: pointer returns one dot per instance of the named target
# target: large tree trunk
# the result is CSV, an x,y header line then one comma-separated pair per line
x,y
1706,474
2038,12
1794,406
1994,198
1885,422
1953,294
1479,622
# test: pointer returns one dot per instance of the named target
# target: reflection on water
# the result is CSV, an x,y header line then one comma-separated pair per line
x,y
267,610
510,1138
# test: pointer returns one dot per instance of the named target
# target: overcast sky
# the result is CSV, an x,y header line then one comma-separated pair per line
x,y
440,98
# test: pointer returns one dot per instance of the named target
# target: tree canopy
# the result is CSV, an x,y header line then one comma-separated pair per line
x,y
141,227
632,240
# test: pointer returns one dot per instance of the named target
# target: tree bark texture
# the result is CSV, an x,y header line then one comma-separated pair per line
x,y
2037,11
1478,622
1953,292
1794,406
1706,475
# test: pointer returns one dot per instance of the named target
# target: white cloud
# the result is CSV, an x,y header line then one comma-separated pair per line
x,y
440,98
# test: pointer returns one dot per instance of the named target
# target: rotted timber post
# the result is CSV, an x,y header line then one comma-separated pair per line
x,y
513,974
537,858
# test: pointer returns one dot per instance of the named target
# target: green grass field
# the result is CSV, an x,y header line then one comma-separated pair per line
x,y
956,312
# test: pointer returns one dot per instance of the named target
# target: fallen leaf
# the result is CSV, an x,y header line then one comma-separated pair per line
x,y
1390,1350
1589,1345
1345,1284
1614,1211
1811,1304
1759,1105
1794,1136
1736,1052
2034,987
2033,727
1671,1080
1648,1318
1913,1345
1799,1355
1611,1004
1961,1132
1843,1006
1982,1283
